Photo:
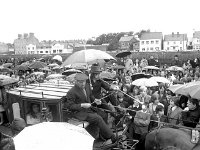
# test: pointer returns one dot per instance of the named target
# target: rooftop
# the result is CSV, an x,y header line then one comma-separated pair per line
x,y
126,38
175,37
151,35
196,34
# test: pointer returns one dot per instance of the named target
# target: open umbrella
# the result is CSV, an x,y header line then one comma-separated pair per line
x,y
71,71
151,67
123,54
55,76
58,58
7,65
47,56
139,76
118,67
86,56
37,73
53,65
107,75
53,136
6,80
4,69
160,79
178,89
145,82
37,65
22,67
175,68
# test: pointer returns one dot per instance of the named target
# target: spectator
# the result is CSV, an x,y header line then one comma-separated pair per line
x,y
176,61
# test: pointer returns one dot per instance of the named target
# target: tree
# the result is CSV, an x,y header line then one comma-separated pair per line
x,y
139,34
114,44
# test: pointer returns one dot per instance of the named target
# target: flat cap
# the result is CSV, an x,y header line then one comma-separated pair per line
x,y
81,76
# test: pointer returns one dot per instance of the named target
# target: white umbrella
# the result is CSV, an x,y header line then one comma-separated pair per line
x,y
160,79
57,57
55,76
178,89
86,56
145,82
37,73
151,67
52,136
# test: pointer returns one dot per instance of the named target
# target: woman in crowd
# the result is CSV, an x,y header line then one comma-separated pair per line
x,y
154,103
34,115
174,111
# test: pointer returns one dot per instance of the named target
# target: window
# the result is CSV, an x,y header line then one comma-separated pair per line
x,y
152,42
147,42
157,42
167,48
60,51
143,49
180,42
46,51
157,48
168,43
174,42
54,51
180,48
151,48
147,48
142,42
32,48
28,48
41,52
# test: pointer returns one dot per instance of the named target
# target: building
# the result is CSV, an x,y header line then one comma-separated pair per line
x,y
196,40
128,43
151,41
24,43
4,48
175,42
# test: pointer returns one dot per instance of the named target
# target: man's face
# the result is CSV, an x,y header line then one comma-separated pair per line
x,y
176,58
190,105
81,83
96,76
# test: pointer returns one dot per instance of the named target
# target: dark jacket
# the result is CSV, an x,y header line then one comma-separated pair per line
x,y
176,63
75,96
154,124
96,88
190,118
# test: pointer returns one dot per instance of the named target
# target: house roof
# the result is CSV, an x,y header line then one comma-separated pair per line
x,y
126,38
196,34
175,37
151,35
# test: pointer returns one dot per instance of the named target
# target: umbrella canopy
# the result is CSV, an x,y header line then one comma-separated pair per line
x,y
4,69
22,67
6,80
7,65
46,56
71,71
58,58
123,54
52,136
140,75
190,89
151,67
37,73
37,65
118,67
175,68
86,56
178,89
160,79
55,76
107,75
53,65
145,82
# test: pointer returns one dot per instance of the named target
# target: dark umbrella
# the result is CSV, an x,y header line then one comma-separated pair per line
x,y
123,54
71,71
37,65
5,80
6,70
7,65
140,75
22,67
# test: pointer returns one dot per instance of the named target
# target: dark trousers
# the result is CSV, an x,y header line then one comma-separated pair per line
x,y
96,120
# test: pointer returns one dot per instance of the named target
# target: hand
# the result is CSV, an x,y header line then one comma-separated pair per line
x,y
186,109
97,101
114,87
86,105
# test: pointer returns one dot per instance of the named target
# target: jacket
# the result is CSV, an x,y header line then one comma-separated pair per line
x,y
174,117
75,96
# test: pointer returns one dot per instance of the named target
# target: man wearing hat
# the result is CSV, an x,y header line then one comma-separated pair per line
x,y
96,85
79,99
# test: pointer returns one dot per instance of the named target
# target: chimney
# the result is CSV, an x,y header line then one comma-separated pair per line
x,y
177,34
25,35
172,34
31,34
19,36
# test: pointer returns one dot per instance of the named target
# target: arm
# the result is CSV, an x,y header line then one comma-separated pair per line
x,y
70,102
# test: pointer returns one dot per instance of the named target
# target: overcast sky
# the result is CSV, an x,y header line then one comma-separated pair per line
x,y
77,19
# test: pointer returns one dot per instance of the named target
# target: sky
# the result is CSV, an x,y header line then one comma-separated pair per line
x,y
83,19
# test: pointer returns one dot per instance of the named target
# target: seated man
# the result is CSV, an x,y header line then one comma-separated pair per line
x,y
79,99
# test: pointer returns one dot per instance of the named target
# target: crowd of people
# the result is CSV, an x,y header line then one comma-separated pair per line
x,y
92,96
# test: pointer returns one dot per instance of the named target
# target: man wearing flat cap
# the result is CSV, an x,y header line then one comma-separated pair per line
x,y
79,99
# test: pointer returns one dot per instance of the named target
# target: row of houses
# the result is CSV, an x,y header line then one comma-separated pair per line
x,y
154,41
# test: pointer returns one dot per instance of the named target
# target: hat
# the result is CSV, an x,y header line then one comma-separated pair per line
x,y
81,76
95,69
